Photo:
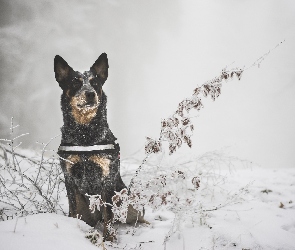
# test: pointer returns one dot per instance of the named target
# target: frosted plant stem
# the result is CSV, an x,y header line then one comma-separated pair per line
x,y
137,172
11,143
15,224
42,156
134,228
13,194
4,155
7,150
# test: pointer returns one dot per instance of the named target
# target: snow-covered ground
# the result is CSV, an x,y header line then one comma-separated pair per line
x,y
264,218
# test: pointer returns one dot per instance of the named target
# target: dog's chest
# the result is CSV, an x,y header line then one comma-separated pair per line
x,y
98,162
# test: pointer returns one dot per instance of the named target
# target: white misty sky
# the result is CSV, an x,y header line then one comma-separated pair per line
x,y
159,51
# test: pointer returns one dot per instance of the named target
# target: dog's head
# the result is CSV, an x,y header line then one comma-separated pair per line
x,y
83,91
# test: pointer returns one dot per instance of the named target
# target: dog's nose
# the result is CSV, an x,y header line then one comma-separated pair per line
x,y
89,95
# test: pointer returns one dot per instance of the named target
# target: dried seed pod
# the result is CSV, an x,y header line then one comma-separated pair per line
x,y
206,90
196,182
224,74
180,174
218,90
116,199
179,142
185,121
164,123
188,141
239,74
152,146
172,148
198,105
197,91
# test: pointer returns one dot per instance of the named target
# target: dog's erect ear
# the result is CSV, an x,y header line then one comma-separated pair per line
x,y
100,67
62,70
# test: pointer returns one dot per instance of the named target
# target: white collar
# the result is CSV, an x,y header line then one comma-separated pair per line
x,y
86,148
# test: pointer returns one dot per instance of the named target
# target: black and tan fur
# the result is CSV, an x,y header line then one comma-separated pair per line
x,y
83,104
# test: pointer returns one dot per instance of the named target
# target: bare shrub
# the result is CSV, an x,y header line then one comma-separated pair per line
x,y
28,185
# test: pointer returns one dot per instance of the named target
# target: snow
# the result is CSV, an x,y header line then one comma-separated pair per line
x,y
257,222
44,231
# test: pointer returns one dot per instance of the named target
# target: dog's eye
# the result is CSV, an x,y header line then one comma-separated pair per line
x,y
77,84
94,84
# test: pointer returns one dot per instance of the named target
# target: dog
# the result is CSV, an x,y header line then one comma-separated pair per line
x,y
90,156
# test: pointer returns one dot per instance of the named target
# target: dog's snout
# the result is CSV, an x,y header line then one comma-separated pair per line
x,y
89,95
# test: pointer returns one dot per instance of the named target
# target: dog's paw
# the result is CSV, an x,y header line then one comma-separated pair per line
x,y
94,236
135,216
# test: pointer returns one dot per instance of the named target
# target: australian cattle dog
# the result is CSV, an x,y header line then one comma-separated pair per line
x,y
90,156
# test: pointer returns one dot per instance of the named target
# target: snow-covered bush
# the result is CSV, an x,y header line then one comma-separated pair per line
x,y
28,184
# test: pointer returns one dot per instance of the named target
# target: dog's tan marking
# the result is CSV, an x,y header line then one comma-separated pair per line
x,y
103,162
83,114
72,159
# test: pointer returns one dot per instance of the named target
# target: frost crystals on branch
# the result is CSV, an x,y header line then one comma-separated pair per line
x,y
27,185
178,129
120,205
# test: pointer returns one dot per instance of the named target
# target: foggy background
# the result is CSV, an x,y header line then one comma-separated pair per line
x,y
158,51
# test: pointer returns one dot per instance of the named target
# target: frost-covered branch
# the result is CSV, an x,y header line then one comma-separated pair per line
x,y
28,186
